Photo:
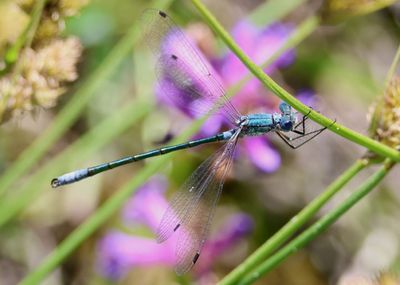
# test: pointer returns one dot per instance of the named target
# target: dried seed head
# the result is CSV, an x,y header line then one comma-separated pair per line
x,y
42,76
57,60
385,120
66,8
52,21
42,71
49,28
25,4
339,10
13,22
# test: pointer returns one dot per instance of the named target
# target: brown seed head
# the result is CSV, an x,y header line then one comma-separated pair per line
x,y
386,116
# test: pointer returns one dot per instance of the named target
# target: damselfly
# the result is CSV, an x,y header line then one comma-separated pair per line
x,y
191,209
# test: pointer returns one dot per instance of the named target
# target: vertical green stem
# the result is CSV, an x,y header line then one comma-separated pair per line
x,y
25,39
319,226
347,133
393,66
292,226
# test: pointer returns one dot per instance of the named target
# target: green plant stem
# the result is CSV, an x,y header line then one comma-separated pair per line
x,y
347,133
70,113
392,68
292,226
25,39
318,227
284,234
85,146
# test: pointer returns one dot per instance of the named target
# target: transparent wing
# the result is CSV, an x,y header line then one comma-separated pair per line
x,y
191,209
183,73
186,89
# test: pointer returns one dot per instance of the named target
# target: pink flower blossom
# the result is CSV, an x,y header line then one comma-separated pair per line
x,y
119,252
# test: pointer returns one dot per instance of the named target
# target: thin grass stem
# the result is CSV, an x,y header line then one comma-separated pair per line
x,y
287,231
321,225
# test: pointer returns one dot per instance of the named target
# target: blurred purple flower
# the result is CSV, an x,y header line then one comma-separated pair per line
x,y
259,44
262,154
119,252
307,97
148,204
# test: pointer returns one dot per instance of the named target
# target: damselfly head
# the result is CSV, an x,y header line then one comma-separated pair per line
x,y
287,122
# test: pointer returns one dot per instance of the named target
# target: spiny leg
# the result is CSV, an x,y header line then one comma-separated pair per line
x,y
292,141
285,139
302,124
295,141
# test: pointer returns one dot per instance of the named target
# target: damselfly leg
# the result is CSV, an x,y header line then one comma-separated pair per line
x,y
300,127
302,132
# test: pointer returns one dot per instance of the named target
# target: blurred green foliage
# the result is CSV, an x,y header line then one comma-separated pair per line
x,y
344,64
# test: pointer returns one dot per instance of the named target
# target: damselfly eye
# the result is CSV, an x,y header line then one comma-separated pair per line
x,y
286,124
284,107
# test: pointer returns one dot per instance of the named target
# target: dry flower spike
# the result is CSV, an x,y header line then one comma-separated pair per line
x,y
43,74
387,116
38,75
